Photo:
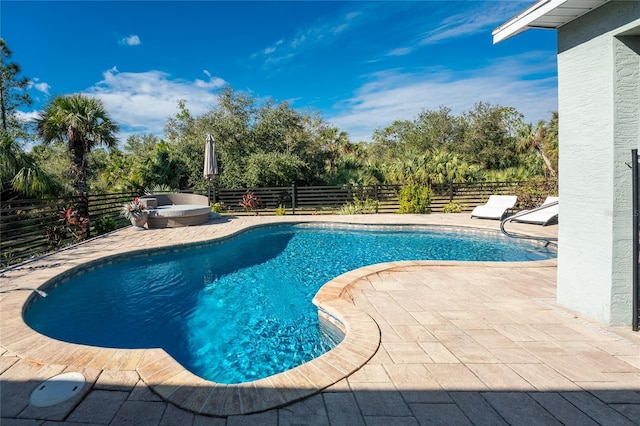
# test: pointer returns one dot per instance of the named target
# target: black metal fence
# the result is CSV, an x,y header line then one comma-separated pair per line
x,y
636,239
31,227
328,199
311,199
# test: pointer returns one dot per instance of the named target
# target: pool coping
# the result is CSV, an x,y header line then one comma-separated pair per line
x,y
182,388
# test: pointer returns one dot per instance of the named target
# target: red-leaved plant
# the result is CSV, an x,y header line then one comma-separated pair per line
x,y
72,224
250,202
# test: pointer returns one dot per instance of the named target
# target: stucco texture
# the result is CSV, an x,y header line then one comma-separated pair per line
x,y
599,88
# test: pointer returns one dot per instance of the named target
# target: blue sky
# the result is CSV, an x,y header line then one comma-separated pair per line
x,y
361,64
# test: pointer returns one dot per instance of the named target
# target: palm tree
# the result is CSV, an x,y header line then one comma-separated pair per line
x,y
20,172
82,123
550,142
448,168
530,139
336,145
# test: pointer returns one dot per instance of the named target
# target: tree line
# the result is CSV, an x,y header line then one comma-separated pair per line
x,y
258,144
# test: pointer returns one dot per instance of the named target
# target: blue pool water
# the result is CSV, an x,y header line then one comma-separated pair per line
x,y
241,309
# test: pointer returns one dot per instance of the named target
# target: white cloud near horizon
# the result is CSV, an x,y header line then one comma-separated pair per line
x,y
131,40
522,82
142,102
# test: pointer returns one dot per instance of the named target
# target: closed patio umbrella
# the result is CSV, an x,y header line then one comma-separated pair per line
x,y
210,163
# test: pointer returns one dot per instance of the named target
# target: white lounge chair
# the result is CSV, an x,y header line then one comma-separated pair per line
x,y
496,207
540,217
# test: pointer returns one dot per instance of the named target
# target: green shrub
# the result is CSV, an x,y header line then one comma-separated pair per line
x,y
349,208
217,207
535,191
281,210
358,206
415,199
105,224
452,207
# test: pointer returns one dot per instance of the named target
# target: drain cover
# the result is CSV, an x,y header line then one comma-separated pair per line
x,y
57,389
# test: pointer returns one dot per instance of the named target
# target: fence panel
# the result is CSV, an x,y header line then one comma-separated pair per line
x,y
108,205
270,198
318,197
31,227
27,226
469,195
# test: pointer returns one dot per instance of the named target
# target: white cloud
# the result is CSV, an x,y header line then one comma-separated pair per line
x,y
27,116
132,40
212,83
320,32
400,51
526,82
476,18
40,86
142,102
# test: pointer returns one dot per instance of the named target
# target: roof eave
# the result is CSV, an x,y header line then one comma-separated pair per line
x,y
524,20
547,14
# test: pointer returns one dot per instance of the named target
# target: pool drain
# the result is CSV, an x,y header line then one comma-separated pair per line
x,y
57,389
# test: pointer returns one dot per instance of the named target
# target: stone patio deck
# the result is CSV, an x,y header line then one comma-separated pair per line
x,y
452,343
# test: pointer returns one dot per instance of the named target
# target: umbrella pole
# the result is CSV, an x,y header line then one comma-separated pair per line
x,y
209,196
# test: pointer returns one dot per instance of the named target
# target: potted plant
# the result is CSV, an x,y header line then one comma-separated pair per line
x,y
135,212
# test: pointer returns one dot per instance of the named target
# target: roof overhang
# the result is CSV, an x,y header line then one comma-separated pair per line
x,y
547,14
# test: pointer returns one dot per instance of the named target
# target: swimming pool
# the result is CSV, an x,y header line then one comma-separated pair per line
x,y
240,309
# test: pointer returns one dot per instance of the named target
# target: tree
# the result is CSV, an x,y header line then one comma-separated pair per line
x,y
243,130
229,123
336,145
272,169
437,130
141,145
82,123
550,140
20,172
533,140
12,89
390,143
410,170
448,168
490,139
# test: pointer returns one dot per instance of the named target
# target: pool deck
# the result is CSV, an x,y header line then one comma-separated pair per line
x,y
445,343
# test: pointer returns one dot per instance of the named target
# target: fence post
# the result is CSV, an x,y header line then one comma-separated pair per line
x,y
636,229
85,202
293,198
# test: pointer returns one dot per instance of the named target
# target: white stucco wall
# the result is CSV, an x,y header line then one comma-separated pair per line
x,y
626,136
598,100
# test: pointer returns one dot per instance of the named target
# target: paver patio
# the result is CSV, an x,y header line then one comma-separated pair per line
x,y
459,344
